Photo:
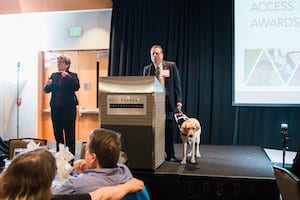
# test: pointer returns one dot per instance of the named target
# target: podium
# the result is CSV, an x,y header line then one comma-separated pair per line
x,y
134,106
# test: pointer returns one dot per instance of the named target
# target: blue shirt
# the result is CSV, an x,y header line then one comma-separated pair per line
x,y
93,179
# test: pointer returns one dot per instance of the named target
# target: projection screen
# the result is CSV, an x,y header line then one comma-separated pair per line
x,y
266,67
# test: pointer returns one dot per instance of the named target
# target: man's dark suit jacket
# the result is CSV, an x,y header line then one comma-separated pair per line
x,y
69,85
172,83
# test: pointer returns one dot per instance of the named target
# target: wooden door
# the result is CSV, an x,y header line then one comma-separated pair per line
x,y
91,64
88,65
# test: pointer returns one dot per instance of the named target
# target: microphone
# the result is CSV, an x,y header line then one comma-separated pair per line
x,y
284,134
284,130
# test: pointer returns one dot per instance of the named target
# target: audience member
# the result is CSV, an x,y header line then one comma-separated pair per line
x,y
99,167
296,164
30,176
3,153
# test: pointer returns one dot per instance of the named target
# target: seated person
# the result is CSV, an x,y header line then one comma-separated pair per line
x,y
100,166
30,176
3,153
296,164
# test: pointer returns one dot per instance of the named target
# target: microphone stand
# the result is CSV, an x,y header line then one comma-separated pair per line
x,y
18,100
284,134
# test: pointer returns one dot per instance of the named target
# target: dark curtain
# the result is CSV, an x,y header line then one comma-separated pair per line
x,y
198,36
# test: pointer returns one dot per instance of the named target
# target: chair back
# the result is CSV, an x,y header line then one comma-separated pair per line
x,y
142,195
22,143
288,183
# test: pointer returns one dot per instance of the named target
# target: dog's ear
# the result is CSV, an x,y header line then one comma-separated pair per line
x,y
182,127
197,123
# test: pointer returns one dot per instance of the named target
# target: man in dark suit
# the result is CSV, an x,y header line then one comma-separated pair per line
x,y
63,102
167,73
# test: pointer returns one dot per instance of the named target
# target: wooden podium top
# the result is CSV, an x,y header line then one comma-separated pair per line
x,y
130,84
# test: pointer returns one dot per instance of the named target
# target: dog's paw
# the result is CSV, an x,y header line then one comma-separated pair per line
x,y
183,162
193,161
198,155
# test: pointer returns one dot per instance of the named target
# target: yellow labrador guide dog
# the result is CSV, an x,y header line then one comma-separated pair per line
x,y
190,131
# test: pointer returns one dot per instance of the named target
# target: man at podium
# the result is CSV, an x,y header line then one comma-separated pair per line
x,y
167,73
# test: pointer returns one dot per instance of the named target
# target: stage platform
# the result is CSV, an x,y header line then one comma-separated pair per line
x,y
222,172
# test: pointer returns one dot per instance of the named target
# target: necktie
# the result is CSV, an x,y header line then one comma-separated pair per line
x,y
159,76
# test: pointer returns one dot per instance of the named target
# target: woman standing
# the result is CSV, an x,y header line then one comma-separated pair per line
x,y
63,85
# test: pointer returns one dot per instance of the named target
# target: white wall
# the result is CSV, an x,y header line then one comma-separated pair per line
x,y
21,37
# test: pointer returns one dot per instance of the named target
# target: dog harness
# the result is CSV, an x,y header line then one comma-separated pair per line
x,y
180,117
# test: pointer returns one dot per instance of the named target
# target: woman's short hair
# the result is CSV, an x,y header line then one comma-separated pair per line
x,y
65,58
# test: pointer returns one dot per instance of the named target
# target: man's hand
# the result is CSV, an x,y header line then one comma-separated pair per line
x,y
79,166
179,106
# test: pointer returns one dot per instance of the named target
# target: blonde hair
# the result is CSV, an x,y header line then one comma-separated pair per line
x,y
29,176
